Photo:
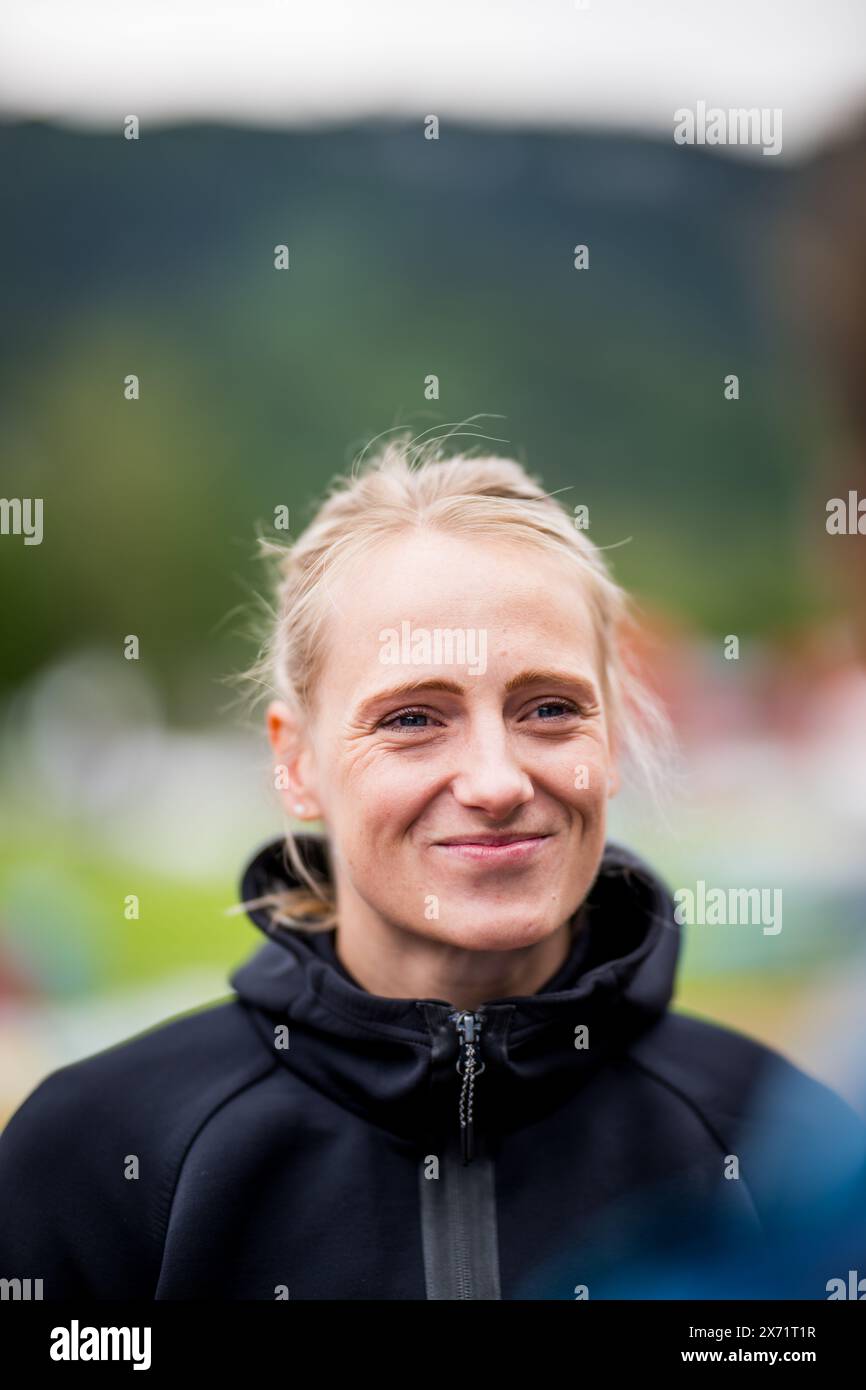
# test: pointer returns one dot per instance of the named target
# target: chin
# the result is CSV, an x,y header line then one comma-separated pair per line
x,y
496,931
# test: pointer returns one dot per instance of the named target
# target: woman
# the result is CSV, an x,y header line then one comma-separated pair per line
x,y
452,1071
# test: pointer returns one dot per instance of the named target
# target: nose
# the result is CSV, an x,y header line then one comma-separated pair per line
x,y
491,779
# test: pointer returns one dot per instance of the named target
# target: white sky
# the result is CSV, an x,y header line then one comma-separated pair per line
x,y
624,63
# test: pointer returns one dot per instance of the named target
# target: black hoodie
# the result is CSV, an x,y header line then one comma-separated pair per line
x,y
307,1139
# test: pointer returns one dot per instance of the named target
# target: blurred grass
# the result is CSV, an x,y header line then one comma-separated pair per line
x,y
82,905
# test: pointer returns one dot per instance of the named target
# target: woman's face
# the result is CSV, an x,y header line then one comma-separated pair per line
x,y
471,807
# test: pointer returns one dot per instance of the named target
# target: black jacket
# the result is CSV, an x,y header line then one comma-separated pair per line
x,y
303,1139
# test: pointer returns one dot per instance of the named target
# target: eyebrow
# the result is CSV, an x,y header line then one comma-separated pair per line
x,y
534,676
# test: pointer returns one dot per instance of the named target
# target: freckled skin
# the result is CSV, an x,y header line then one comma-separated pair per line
x,y
389,784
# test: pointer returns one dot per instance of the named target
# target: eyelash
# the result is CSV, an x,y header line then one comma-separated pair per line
x,y
389,724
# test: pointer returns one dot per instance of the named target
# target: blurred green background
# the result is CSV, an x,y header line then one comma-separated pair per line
x,y
407,258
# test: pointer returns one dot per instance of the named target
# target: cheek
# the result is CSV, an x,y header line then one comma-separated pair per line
x,y
578,772
381,791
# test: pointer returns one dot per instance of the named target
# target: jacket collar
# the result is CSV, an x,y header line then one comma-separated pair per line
x,y
394,1060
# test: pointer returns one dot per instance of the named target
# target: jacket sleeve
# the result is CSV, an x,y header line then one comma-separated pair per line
x,y
71,1212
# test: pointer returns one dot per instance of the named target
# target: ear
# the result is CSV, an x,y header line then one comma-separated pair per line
x,y
293,762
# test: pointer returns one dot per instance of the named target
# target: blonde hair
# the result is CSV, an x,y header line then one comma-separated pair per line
x,y
408,485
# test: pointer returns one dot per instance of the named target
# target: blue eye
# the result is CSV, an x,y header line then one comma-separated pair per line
x,y
406,720
560,706
391,723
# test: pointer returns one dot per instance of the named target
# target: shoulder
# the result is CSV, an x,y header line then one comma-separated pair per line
x,y
745,1090
189,1062
93,1154
797,1146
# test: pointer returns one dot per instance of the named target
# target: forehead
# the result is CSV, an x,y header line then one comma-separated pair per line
x,y
529,602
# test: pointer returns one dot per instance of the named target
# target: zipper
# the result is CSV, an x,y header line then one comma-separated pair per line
x,y
459,1224
470,1064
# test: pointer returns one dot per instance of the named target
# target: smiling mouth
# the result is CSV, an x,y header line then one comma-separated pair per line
x,y
493,839
495,849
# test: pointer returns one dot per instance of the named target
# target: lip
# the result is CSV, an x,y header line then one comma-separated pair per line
x,y
512,849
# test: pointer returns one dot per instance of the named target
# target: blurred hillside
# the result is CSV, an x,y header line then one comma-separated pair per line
x,y
408,257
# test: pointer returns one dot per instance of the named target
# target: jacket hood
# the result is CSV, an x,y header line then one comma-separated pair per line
x,y
398,1061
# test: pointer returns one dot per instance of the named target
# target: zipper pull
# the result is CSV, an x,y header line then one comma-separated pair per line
x,y
468,1027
